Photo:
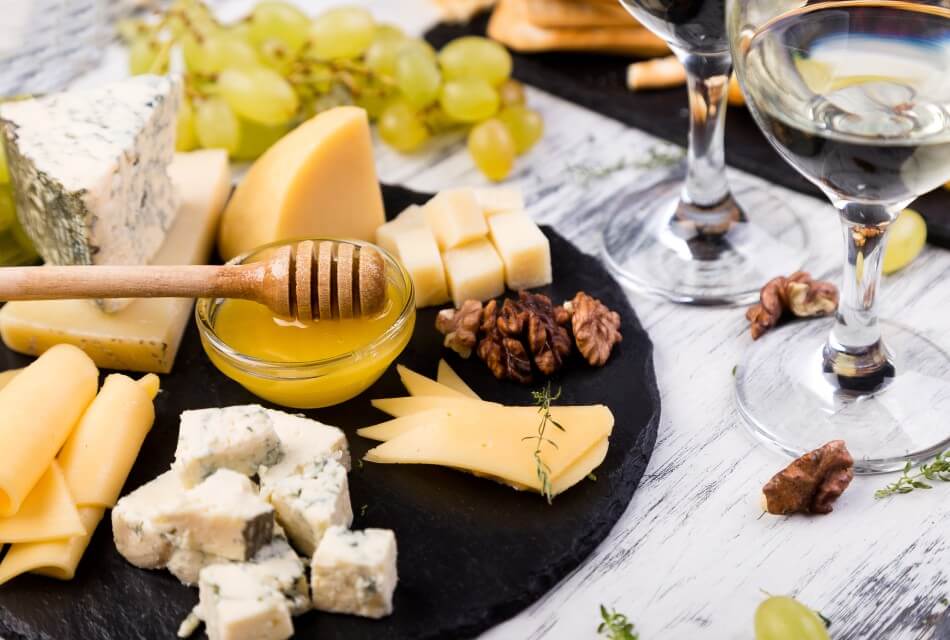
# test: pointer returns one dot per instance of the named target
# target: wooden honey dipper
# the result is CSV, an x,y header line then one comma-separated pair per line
x,y
304,281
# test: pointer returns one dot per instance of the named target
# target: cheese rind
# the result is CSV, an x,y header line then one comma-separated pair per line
x,y
418,252
474,272
355,572
523,248
317,181
47,513
89,169
455,218
145,335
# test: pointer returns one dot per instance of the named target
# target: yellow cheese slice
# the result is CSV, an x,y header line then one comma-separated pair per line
x,y
38,410
398,407
581,468
397,426
499,442
447,377
54,558
7,376
318,181
99,454
145,335
419,385
47,513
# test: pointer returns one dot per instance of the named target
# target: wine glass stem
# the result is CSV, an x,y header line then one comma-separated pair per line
x,y
708,85
854,349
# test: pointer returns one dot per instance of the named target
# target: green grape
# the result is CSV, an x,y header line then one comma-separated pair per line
x,y
7,207
375,102
785,618
475,57
4,169
420,46
492,148
342,33
417,77
386,31
401,128
381,56
241,31
275,55
258,94
278,21
185,138
469,100
257,138
524,124
131,29
216,125
217,52
147,55
906,239
511,92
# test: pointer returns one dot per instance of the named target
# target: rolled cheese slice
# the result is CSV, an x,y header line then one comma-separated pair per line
x,y
7,376
47,513
55,558
38,410
98,456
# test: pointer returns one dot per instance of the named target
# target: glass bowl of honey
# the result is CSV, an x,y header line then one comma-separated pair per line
x,y
307,365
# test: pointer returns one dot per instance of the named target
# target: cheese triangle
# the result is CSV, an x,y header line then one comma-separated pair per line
x,y
419,385
54,558
399,407
47,513
398,426
447,377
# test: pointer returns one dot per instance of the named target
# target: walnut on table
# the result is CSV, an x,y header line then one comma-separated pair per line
x,y
798,293
811,483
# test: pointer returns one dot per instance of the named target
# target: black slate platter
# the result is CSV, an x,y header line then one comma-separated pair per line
x,y
598,82
471,553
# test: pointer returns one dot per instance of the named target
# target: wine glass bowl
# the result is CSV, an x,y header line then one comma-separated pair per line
x,y
854,94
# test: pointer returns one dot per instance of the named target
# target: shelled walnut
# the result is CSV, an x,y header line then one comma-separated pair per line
x,y
519,337
810,483
798,293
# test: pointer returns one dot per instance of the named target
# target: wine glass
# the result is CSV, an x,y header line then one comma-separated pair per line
x,y
686,237
855,94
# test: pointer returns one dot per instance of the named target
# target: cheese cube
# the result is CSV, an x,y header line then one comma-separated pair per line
x,y
137,536
474,271
303,441
186,564
455,218
523,248
310,501
494,200
236,604
418,252
240,438
224,515
411,218
355,572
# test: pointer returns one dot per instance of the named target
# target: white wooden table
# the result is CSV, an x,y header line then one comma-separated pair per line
x,y
692,554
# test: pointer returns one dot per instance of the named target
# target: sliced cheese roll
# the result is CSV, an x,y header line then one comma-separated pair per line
x,y
55,558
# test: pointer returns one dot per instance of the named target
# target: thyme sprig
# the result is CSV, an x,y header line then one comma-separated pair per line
x,y
657,157
616,626
543,399
939,469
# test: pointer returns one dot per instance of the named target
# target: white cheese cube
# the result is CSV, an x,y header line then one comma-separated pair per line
x,y
240,438
418,252
523,248
310,501
455,218
138,537
411,218
494,200
474,271
224,516
236,604
303,441
186,564
355,572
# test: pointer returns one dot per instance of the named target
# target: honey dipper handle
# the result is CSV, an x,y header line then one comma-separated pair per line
x,y
186,281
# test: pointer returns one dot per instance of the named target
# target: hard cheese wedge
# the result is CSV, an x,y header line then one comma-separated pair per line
x,y
447,377
318,181
419,385
398,407
55,558
47,513
396,427
145,335
497,442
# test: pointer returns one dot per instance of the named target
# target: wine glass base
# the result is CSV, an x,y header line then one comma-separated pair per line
x,y
651,250
791,405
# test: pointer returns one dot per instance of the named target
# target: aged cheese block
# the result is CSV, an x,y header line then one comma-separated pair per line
x,y
418,252
145,335
446,376
47,513
455,217
494,200
54,558
410,218
474,271
318,181
89,170
523,248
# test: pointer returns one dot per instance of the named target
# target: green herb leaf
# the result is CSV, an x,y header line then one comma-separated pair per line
x,y
938,469
616,626
543,399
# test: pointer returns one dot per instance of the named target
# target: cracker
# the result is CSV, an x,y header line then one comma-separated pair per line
x,y
577,13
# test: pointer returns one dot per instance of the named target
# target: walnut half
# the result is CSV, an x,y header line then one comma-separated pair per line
x,y
596,328
460,327
797,293
812,482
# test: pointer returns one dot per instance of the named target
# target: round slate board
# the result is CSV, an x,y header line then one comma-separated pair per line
x,y
472,553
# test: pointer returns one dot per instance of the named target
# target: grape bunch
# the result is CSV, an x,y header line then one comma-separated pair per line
x,y
250,82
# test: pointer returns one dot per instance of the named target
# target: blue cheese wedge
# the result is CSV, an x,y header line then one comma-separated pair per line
x,y
303,441
89,170
236,604
223,516
308,501
355,572
138,537
240,438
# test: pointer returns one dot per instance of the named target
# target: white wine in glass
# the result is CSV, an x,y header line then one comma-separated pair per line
x,y
687,237
854,94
